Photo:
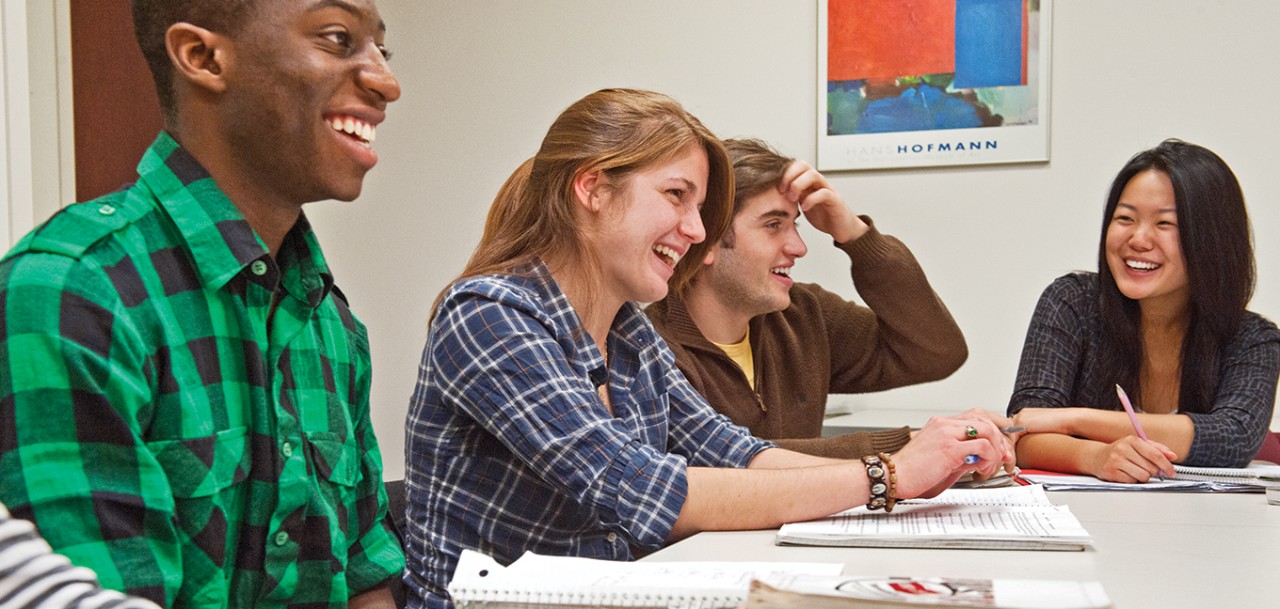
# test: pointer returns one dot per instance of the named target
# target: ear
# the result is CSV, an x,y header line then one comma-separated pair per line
x,y
710,258
199,56
587,186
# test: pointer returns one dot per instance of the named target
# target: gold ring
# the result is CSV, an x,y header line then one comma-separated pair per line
x,y
970,432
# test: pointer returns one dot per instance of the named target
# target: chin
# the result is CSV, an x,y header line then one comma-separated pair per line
x,y
346,194
782,301
653,294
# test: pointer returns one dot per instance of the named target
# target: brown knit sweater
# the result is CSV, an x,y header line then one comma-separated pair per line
x,y
824,344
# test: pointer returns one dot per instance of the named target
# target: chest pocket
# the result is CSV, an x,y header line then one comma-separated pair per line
x,y
649,418
333,459
205,466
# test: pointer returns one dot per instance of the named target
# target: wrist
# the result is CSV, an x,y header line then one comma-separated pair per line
x,y
852,231
882,480
1076,421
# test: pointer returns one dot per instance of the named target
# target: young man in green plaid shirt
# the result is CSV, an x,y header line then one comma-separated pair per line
x,y
183,390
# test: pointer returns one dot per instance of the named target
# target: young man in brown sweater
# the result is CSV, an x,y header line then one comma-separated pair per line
x,y
766,351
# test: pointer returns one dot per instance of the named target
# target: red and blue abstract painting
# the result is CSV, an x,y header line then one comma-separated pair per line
x,y
918,65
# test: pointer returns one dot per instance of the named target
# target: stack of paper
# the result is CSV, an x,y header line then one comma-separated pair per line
x,y
1011,518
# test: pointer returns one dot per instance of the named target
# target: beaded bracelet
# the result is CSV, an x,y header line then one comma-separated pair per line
x,y
884,482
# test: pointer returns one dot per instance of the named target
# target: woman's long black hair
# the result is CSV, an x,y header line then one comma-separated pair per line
x,y
1213,230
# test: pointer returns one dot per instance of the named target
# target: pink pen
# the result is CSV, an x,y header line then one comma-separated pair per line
x,y
1133,418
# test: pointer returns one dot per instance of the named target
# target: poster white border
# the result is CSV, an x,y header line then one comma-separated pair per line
x,y
941,147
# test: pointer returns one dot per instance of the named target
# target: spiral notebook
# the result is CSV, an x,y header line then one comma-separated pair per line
x,y
535,581
1256,474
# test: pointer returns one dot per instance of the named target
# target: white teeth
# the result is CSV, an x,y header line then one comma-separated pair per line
x,y
355,127
668,252
1141,266
785,271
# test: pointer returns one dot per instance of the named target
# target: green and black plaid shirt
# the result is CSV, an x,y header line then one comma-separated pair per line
x,y
162,425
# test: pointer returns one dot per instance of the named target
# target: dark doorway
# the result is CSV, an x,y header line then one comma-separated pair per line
x,y
117,114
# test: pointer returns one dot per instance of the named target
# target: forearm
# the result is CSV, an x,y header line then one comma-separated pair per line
x,y
851,445
766,497
914,337
781,458
1055,452
780,486
1173,430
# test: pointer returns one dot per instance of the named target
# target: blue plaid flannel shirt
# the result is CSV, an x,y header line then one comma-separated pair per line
x,y
510,449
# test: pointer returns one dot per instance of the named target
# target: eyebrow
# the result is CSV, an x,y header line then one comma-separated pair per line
x,y
688,184
1166,210
779,213
346,6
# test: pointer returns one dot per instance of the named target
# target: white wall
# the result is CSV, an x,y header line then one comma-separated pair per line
x,y
37,174
482,80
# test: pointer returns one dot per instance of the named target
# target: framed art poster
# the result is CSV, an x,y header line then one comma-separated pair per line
x,y
921,83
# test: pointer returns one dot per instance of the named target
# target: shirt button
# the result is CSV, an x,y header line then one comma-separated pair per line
x,y
106,210
258,267
282,538
612,537
287,449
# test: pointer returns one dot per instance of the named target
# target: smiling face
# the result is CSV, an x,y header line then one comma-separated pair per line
x,y
753,277
647,223
307,84
1144,251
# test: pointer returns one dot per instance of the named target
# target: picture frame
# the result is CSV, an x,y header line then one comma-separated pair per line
x,y
928,83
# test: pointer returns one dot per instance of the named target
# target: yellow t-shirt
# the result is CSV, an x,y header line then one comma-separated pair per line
x,y
740,353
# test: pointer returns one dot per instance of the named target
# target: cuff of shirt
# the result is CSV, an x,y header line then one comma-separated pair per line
x,y
377,559
872,244
647,490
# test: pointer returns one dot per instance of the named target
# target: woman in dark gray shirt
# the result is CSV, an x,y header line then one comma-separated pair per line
x,y
1164,317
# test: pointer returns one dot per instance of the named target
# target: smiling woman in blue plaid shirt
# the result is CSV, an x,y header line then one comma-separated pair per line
x,y
550,417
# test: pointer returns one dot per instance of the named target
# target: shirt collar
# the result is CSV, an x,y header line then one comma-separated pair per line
x,y
679,327
630,329
220,241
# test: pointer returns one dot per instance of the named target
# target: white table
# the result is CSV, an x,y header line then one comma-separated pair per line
x,y
1158,550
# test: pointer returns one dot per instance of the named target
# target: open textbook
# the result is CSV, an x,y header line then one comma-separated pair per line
x,y
1006,518
1252,479
872,592
539,581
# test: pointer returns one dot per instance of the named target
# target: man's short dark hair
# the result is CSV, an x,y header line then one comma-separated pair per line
x,y
152,18
757,167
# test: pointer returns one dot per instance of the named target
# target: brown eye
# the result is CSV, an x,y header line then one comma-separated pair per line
x,y
340,38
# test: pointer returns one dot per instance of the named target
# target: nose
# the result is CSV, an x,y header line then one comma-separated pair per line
x,y
795,246
691,225
1140,239
376,76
